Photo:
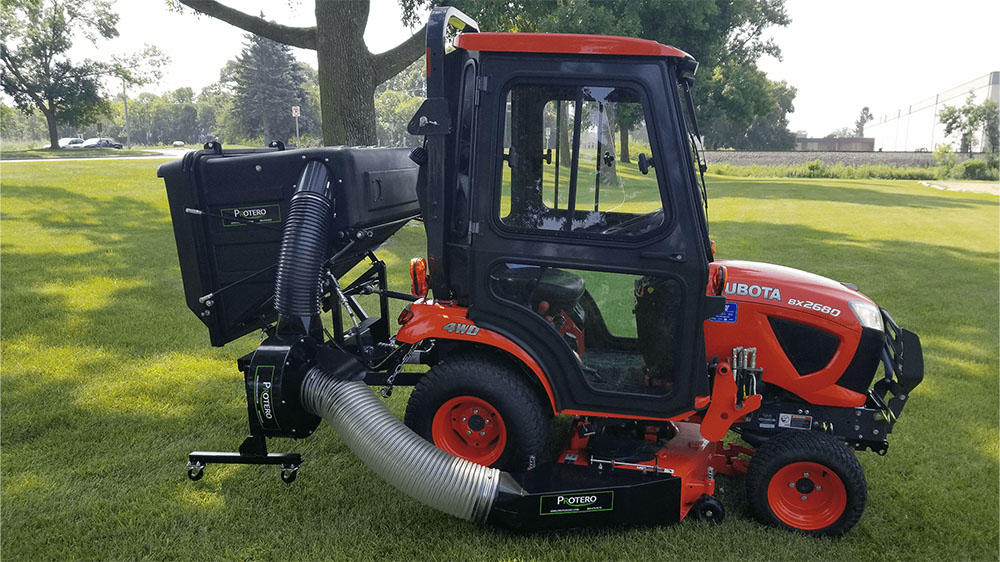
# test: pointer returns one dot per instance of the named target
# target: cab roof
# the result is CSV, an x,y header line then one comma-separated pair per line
x,y
569,43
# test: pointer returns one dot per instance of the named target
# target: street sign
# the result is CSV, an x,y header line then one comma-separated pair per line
x,y
295,111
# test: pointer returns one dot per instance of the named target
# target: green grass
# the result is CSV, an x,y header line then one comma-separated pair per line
x,y
108,382
44,153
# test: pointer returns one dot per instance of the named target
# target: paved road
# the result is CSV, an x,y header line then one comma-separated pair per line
x,y
170,153
977,187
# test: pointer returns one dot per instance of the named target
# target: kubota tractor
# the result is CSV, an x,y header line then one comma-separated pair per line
x,y
560,279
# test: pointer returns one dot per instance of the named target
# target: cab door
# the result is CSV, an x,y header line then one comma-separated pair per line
x,y
587,248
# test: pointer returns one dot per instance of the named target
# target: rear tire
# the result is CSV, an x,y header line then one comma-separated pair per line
x,y
807,481
482,409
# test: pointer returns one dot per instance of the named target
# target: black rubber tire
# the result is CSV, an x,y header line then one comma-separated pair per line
x,y
519,402
710,510
807,446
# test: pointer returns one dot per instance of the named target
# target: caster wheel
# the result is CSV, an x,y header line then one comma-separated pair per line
x,y
709,510
288,474
195,472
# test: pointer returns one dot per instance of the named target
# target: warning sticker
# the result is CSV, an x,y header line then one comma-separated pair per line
x,y
729,315
794,421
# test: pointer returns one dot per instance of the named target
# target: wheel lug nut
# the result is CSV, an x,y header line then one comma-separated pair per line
x,y
819,488
482,433
803,498
805,475
475,411
468,432
791,484
463,419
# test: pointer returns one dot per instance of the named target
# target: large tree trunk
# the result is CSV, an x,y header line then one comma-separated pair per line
x,y
50,120
623,139
346,74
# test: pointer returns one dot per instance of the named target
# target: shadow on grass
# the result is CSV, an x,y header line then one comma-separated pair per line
x,y
810,190
109,383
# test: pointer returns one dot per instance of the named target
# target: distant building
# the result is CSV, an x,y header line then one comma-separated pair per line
x,y
835,144
917,127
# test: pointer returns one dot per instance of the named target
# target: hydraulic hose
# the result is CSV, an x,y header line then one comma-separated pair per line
x,y
397,454
303,249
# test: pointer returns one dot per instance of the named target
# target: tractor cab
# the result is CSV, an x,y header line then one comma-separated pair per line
x,y
562,208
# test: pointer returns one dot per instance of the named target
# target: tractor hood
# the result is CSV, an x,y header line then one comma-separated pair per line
x,y
776,285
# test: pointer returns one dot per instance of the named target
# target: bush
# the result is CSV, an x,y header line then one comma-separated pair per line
x,y
817,169
945,159
974,170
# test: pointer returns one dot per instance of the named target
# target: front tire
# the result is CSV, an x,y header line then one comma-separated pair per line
x,y
482,409
807,481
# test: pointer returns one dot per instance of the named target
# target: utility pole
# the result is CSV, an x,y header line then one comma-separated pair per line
x,y
128,143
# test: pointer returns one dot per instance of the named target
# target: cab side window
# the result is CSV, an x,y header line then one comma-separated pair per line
x,y
577,159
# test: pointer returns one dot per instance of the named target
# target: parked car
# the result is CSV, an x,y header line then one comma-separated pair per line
x,y
71,142
178,144
100,143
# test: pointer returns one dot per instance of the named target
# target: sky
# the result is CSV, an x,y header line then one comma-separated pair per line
x,y
840,56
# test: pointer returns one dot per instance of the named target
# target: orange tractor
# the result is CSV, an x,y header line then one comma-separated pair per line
x,y
560,279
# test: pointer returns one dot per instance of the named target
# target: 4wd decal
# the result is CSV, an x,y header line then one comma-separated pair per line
x,y
587,502
755,291
458,328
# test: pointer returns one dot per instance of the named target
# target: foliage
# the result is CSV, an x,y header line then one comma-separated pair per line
x,y
842,133
945,158
396,101
266,83
818,169
348,72
970,120
975,170
746,110
109,382
37,71
863,119
737,104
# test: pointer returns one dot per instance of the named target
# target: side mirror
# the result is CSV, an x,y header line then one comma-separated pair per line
x,y
645,163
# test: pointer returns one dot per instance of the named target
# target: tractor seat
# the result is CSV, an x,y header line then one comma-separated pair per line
x,y
561,289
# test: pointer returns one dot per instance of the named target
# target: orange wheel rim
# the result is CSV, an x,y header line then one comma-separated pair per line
x,y
807,496
471,428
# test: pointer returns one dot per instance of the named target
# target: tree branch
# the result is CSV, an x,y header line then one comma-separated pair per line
x,y
302,37
393,61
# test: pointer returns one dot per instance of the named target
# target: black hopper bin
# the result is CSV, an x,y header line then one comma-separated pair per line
x,y
228,209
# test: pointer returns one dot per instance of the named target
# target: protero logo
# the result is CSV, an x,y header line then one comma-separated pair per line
x,y
576,501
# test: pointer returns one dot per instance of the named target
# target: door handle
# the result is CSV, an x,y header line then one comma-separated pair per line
x,y
678,257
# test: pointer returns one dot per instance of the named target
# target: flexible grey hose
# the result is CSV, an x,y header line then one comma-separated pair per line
x,y
397,454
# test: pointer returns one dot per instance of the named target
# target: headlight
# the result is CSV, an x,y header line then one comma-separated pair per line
x,y
868,314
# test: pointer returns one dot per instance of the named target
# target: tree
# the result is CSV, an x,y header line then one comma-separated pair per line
x,y
396,100
267,82
842,133
37,71
863,118
716,32
971,119
348,71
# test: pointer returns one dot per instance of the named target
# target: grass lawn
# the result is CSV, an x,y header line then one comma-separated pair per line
x,y
41,153
108,382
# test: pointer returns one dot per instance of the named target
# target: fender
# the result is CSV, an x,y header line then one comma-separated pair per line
x,y
448,321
